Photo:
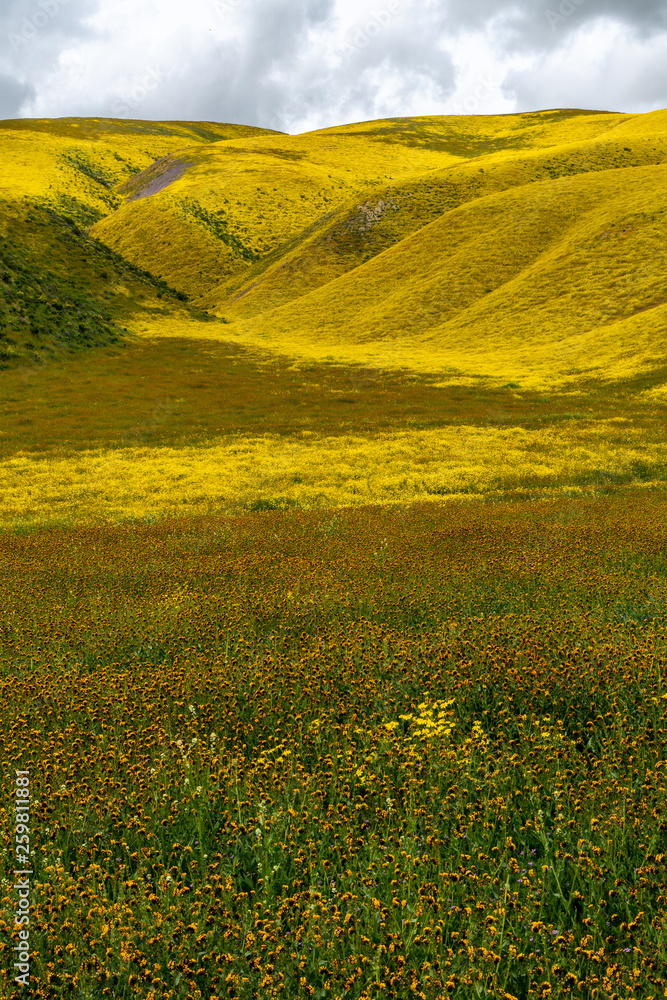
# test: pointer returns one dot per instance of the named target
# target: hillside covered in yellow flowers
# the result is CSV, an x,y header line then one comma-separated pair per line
x,y
527,247
367,313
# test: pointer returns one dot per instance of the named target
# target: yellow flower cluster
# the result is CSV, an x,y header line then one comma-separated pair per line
x,y
433,721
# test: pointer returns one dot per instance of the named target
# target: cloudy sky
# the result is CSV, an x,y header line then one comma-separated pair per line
x,y
295,65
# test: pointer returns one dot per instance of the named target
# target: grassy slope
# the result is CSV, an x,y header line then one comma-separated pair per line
x,y
470,246
240,205
239,201
60,289
572,284
75,164
360,232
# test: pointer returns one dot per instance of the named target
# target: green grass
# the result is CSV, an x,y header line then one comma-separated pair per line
x,y
61,289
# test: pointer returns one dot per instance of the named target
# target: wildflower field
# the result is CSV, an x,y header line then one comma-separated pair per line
x,y
182,426
333,534
393,751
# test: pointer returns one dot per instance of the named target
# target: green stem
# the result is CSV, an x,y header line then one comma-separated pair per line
x,y
502,930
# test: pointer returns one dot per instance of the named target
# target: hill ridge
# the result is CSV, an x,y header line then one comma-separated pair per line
x,y
302,240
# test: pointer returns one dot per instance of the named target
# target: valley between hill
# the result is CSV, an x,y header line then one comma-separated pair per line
x,y
333,521
459,305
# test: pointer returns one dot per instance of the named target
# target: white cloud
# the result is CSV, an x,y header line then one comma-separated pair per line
x,y
612,71
302,64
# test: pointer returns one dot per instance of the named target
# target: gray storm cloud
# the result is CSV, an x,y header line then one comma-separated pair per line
x,y
13,95
529,17
296,64
32,36
533,22
32,31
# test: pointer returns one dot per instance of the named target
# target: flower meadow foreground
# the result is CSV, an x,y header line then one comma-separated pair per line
x,y
383,752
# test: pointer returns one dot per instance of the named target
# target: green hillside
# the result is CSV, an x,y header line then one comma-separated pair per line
x,y
61,289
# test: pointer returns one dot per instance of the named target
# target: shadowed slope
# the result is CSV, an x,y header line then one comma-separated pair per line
x,y
60,289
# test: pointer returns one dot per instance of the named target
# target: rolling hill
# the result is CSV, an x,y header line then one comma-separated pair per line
x,y
527,247
460,304
61,289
